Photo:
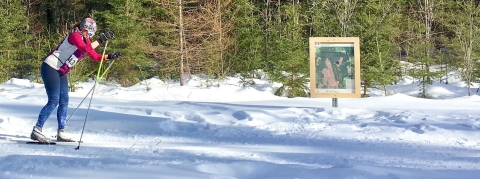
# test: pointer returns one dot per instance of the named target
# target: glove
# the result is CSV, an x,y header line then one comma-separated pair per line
x,y
114,55
106,36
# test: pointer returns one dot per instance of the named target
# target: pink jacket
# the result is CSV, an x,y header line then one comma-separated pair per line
x,y
71,51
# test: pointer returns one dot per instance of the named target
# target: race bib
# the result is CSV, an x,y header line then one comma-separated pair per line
x,y
71,61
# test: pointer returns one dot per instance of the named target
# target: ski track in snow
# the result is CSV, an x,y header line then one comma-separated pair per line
x,y
221,140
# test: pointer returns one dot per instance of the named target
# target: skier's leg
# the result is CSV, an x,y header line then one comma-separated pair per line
x,y
63,102
51,80
62,111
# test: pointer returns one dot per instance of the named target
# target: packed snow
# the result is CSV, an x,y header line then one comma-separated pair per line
x,y
158,129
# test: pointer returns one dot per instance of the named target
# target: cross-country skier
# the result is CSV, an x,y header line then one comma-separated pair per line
x,y
58,63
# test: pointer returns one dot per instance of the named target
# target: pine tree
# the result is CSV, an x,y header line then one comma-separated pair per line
x,y
291,65
124,18
322,19
380,19
216,40
466,27
14,51
246,55
421,43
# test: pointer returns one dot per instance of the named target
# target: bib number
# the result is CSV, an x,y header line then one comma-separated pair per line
x,y
71,61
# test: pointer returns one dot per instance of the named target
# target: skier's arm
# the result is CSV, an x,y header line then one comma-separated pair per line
x,y
76,39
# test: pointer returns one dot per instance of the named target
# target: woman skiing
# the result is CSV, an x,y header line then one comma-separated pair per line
x,y
58,63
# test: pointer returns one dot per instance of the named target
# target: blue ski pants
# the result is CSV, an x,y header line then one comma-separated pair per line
x,y
56,86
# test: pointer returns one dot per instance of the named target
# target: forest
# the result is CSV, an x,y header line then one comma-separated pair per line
x,y
172,39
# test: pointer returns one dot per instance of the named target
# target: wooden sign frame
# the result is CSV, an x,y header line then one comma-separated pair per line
x,y
334,67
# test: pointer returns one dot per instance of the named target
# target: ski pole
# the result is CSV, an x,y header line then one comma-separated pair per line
x,y
111,63
93,91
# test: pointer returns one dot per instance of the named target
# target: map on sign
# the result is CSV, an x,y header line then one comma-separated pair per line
x,y
334,67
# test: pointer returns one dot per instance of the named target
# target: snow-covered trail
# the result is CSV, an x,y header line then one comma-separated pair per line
x,y
173,139
321,159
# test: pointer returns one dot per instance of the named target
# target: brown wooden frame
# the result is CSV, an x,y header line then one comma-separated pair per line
x,y
335,93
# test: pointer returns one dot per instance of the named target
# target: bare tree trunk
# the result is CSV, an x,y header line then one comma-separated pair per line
x,y
428,24
220,42
57,16
126,6
180,34
468,56
267,24
446,74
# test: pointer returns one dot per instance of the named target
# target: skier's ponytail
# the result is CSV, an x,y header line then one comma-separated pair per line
x,y
76,25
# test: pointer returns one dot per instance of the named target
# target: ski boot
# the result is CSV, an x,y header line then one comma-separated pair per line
x,y
62,136
38,135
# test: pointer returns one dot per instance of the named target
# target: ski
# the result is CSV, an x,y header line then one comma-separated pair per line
x,y
41,143
94,143
50,143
